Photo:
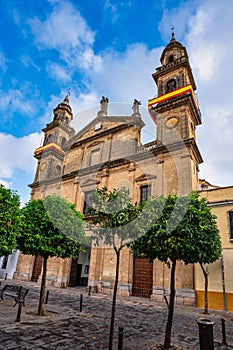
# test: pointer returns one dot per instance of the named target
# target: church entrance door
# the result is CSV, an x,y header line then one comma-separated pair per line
x,y
142,277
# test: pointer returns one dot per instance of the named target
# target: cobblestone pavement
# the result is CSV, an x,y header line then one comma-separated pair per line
x,y
65,327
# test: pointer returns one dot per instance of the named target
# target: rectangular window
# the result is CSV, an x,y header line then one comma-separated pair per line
x,y
145,192
4,263
95,157
231,223
87,201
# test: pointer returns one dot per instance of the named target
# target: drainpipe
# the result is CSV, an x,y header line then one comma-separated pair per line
x,y
223,286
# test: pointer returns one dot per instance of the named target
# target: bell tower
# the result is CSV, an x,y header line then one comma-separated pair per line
x,y
176,111
56,135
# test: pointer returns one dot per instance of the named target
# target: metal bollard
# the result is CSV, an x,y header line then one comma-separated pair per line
x,y
165,298
5,276
89,291
206,337
47,297
20,302
19,312
81,302
224,341
120,338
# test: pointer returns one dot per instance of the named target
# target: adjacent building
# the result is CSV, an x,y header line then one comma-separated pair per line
x,y
220,199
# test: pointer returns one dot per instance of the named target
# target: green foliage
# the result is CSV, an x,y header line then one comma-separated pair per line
x,y
113,217
186,230
52,228
9,220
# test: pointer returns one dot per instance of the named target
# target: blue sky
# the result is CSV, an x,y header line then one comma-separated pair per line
x,y
111,48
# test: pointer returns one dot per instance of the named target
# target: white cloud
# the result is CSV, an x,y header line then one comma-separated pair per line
x,y
14,100
17,153
3,61
126,76
178,18
64,27
58,72
16,16
67,32
18,165
27,61
88,59
112,8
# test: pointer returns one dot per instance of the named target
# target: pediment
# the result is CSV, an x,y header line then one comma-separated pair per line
x,y
89,182
145,177
94,144
103,125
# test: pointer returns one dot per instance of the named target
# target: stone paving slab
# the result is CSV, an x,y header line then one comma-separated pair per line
x,y
65,327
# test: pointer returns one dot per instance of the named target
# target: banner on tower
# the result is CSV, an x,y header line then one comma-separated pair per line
x,y
51,145
169,95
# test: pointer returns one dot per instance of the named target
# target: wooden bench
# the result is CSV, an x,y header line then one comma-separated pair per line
x,y
17,292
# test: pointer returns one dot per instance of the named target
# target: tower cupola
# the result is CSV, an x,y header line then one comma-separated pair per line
x,y
63,112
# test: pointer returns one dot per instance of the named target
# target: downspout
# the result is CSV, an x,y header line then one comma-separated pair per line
x,y
223,286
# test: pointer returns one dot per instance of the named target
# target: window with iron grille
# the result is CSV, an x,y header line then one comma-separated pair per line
x,y
145,192
231,223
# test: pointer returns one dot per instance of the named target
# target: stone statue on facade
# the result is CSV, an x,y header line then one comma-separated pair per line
x,y
103,106
135,107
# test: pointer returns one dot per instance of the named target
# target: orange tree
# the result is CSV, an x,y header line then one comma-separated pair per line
x,y
52,228
185,229
9,219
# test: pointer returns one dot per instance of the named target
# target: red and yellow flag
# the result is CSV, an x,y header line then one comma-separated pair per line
x,y
51,145
169,95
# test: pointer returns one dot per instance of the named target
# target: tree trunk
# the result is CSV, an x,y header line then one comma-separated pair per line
x,y
111,333
206,311
42,289
167,340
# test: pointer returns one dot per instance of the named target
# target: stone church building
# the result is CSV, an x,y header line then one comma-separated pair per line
x,y
109,152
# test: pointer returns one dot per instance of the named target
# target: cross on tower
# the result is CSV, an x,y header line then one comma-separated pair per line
x,y
173,35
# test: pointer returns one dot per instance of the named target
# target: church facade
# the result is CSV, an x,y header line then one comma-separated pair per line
x,y
109,152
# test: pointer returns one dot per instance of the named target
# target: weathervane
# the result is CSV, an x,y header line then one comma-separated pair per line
x,y
68,91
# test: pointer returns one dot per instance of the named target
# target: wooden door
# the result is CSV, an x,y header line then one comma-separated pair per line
x,y
37,268
142,277
73,272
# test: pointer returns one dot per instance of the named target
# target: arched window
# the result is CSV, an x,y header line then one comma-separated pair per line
x,y
171,85
48,139
63,141
170,58
58,168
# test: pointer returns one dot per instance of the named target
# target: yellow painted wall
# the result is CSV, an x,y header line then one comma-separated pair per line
x,y
216,300
220,201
